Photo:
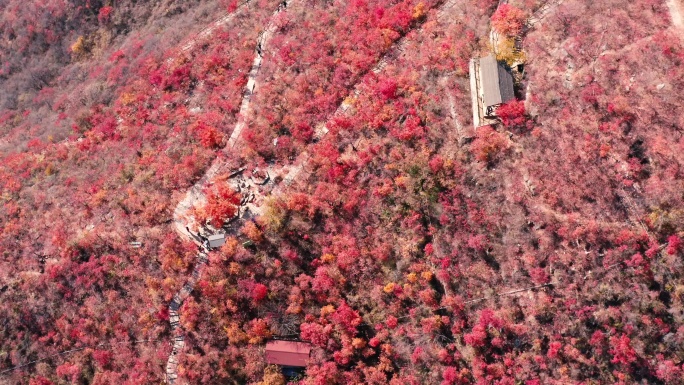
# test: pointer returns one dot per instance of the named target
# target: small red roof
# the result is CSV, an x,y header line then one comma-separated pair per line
x,y
287,353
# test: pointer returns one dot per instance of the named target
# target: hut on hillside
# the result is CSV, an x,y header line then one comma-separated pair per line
x,y
491,84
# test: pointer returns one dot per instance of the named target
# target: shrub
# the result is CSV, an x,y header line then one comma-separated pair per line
x,y
508,20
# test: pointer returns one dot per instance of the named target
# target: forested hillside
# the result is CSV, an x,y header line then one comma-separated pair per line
x,y
410,248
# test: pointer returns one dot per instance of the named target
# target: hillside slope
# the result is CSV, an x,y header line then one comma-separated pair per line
x,y
411,248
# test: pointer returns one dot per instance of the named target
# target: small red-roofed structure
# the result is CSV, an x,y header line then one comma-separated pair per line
x,y
287,353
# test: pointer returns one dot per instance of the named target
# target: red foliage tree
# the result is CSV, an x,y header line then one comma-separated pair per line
x,y
622,351
488,144
508,20
104,15
512,114
222,203
347,318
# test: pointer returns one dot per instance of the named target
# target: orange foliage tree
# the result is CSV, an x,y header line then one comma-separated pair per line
x,y
222,203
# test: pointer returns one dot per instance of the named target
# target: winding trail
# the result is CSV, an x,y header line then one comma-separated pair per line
x,y
207,32
182,219
194,195
542,12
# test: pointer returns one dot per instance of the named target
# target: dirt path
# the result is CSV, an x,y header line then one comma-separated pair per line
x,y
178,337
181,218
542,12
675,7
190,44
455,118
194,196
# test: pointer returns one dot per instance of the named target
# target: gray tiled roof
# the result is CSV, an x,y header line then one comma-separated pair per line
x,y
497,82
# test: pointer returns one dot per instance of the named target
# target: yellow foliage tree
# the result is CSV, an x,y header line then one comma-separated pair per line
x,y
507,51
81,47
418,11
273,376
389,288
235,335
274,215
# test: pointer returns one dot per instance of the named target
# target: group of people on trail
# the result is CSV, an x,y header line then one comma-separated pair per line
x,y
281,6
199,238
